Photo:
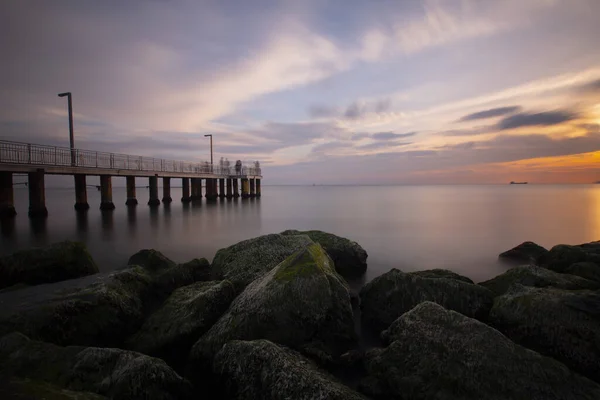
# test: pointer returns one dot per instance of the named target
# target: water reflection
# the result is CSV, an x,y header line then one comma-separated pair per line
x,y
81,218
107,219
38,228
131,219
7,227
153,217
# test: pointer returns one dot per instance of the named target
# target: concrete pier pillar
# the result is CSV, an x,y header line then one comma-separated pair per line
x,y
106,201
81,203
245,188
131,195
153,183
222,188
229,193
236,191
196,189
7,197
252,191
185,190
37,194
211,188
258,188
166,190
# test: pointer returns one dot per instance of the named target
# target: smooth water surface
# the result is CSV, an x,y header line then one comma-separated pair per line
x,y
462,228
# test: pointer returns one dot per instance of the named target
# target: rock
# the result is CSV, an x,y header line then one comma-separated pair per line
x,y
151,259
187,314
169,279
526,252
587,270
531,275
390,295
262,370
349,257
441,273
562,256
114,373
302,303
58,262
439,354
558,323
245,261
27,389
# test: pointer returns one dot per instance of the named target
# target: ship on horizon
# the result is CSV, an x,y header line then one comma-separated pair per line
x,y
518,183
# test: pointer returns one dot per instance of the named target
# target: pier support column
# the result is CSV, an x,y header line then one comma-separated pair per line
x,y
185,190
245,188
106,201
211,188
229,193
252,187
196,189
153,183
258,188
166,190
81,203
7,198
236,191
222,188
131,195
37,194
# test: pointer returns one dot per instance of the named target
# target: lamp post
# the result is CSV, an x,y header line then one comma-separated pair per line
x,y
211,151
71,137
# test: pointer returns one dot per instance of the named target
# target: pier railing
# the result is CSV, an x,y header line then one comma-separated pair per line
x,y
36,154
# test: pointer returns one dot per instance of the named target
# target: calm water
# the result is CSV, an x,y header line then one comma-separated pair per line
x,y
462,228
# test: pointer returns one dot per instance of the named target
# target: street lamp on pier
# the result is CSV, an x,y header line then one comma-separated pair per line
x,y
211,151
71,136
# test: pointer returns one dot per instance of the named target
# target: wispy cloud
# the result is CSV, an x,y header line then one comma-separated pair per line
x,y
546,118
491,113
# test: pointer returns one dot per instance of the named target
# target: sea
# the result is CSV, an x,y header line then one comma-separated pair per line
x,y
460,228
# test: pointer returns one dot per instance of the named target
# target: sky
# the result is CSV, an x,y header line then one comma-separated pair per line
x,y
325,92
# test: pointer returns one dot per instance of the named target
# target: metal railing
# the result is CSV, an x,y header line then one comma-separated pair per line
x,y
36,154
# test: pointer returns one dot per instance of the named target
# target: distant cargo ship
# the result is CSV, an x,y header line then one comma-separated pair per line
x,y
518,183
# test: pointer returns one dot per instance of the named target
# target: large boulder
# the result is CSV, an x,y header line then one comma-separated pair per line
x,y
349,257
559,323
390,295
188,313
152,260
58,262
526,252
302,303
440,273
14,388
247,260
114,373
531,275
587,270
561,256
435,353
262,370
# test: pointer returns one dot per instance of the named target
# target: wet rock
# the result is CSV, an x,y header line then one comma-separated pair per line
x,y
349,257
526,252
435,353
27,389
562,256
390,295
531,275
57,262
175,276
152,260
441,273
302,303
558,323
114,373
262,370
587,270
188,313
247,260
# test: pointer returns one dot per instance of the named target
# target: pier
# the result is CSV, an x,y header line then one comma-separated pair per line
x,y
37,161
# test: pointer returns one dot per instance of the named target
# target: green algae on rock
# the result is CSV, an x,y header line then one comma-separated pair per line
x,y
114,373
558,323
349,258
435,353
54,263
260,369
390,295
301,303
440,273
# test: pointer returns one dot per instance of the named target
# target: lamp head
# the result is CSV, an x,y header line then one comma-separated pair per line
x,y
64,94
207,135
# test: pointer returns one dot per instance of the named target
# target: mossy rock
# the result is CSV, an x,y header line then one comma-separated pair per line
x,y
54,263
114,373
247,260
558,323
27,389
531,275
526,252
302,303
586,270
435,353
187,314
562,256
152,260
176,276
441,273
349,258
260,369
390,295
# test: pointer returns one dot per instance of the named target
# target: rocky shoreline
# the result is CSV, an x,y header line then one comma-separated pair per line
x,y
274,318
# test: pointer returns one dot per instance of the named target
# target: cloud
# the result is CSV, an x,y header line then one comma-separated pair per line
x,y
391,135
493,112
381,145
320,111
479,130
546,118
